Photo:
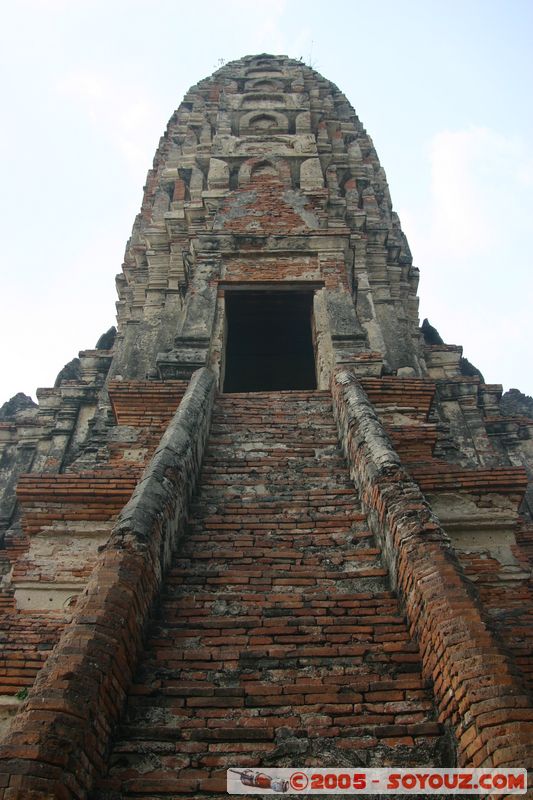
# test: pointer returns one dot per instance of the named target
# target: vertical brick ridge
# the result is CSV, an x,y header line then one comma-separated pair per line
x,y
277,641
59,740
475,681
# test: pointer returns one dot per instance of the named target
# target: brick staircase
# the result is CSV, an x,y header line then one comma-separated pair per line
x,y
277,641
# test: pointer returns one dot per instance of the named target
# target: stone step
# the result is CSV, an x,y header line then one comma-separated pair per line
x,y
277,634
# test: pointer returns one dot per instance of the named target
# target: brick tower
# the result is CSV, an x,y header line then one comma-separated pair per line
x,y
273,522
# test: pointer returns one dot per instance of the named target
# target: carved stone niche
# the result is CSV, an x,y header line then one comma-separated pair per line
x,y
254,168
266,60
260,122
264,85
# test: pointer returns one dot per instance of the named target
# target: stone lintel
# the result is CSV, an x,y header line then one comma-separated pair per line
x,y
42,596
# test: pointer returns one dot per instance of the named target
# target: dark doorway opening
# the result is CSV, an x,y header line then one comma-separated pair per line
x,y
269,344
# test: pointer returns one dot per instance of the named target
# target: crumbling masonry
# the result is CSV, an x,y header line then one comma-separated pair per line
x,y
273,522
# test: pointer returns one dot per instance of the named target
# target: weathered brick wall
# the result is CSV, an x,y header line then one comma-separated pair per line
x,y
65,519
59,740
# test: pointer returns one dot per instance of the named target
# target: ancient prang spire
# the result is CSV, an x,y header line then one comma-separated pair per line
x,y
273,521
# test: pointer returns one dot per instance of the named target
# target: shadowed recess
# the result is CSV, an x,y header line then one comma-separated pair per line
x,y
269,345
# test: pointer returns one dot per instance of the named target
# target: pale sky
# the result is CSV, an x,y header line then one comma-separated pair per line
x,y
443,88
